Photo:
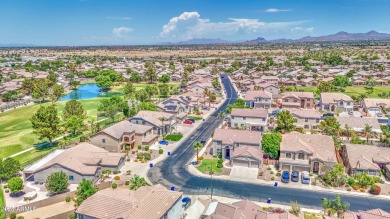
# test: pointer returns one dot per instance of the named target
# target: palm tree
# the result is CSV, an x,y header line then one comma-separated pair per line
x,y
347,131
335,206
137,182
208,93
162,119
197,145
367,131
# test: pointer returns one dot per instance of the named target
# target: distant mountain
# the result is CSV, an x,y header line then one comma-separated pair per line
x,y
258,40
198,41
344,36
17,45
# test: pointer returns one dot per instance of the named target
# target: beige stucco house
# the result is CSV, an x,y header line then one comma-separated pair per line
x,y
308,119
297,100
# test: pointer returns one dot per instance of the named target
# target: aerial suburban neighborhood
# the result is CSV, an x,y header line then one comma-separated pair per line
x,y
187,125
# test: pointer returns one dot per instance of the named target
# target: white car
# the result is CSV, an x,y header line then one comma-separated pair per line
x,y
305,177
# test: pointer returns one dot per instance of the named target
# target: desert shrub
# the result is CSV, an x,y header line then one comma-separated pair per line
x,y
146,147
220,161
6,191
261,173
128,159
351,181
295,208
362,190
132,152
147,156
273,178
200,158
160,151
68,198
116,171
219,165
272,172
377,179
375,189
127,182
114,186
139,147
12,215
278,174
128,172
268,168
117,178
348,189
20,217
355,187
5,186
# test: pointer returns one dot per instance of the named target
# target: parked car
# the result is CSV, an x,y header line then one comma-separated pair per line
x,y
188,122
295,176
305,177
327,114
286,176
350,112
186,202
192,120
379,114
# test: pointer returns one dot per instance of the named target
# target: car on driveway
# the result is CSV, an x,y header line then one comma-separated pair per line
x,y
305,177
186,202
188,122
295,176
192,120
350,112
286,176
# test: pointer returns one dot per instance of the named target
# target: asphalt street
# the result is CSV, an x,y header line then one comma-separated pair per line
x,y
173,171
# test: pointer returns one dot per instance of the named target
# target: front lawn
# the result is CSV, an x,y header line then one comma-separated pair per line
x,y
2,203
175,137
208,164
195,118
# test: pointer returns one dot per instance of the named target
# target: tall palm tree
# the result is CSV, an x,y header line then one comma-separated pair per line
x,y
197,145
367,131
137,182
347,130
162,119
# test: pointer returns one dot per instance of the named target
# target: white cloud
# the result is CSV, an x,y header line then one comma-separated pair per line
x,y
274,10
119,18
190,25
121,31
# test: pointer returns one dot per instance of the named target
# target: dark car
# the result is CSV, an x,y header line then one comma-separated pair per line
x,y
192,120
186,202
295,176
327,114
286,176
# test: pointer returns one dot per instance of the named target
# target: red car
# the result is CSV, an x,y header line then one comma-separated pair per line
x,y
188,122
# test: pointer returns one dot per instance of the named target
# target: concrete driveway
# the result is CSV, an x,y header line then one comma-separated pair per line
x,y
244,172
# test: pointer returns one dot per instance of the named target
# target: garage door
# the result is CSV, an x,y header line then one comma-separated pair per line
x,y
300,169
254,164
242,163
286,167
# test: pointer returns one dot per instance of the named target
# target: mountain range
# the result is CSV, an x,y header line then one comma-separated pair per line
x,y
340,36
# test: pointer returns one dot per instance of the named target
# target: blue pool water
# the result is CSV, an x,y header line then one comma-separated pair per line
x,y
86,91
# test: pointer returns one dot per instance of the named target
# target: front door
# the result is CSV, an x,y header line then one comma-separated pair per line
x,y
316,167
227,154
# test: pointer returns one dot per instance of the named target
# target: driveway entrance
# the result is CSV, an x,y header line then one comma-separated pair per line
x,y
240,172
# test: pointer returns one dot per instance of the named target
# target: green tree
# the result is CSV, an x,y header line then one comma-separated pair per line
x,y
324,87
147,106
285,121
104,81
110,107
85,190
129,89
197,146
341,82
367,131
135,77
9,168
370,84
334,206
56,92
15,184
334,174
74,124
165,78
74,108
271,144
57,182
40,88
141,95
150,74
46,123
137,182
52,77
163,89
330,126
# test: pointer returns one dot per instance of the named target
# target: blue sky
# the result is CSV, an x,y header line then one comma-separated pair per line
x,y
132,22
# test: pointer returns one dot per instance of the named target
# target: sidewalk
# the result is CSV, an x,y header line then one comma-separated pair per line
x,y
192,169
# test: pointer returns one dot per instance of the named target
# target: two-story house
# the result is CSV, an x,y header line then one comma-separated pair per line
x,y
271,79
258,99
271,88
305,152
331,102
250,119
308,119
241,147
297,100
374,106
161,122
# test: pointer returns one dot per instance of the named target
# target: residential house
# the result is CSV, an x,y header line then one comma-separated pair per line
x,y
306,152
332,102
83,161
297,100
251,119
258,99
371,159
374,106
358,124
271,79
151,202
308,119
227,141
116,137
244,209
271,88
370,214
162,122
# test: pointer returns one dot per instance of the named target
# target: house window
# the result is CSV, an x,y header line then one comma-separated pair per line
x,y
243,118
306,126
306,119
317,120
348,103
263,119
232,117
104,140
71,178
314,127
301,156
288,155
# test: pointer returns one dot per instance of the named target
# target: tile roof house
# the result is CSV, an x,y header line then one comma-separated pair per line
x,y
331,102
308,119
305,152
227,141
251,119
116,137
151,202
365,158
154,119
374,106
258,99
370,214
83,161
358,124
246,210
297,100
